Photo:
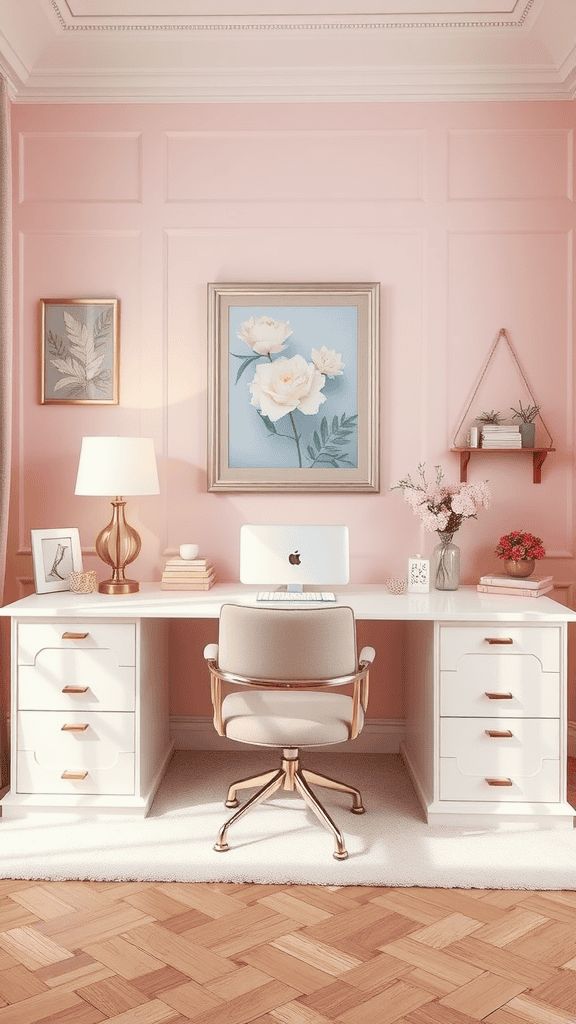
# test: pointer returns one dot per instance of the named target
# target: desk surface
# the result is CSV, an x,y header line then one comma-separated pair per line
x,y
369,601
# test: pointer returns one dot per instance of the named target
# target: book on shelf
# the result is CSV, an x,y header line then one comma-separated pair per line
x,y
502,580
516,591
512,445
501,428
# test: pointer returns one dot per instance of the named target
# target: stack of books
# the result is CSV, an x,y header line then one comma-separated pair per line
x,y
187,574
532,586
505,436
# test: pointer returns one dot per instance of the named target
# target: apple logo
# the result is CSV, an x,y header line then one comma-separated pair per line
x,y
294,558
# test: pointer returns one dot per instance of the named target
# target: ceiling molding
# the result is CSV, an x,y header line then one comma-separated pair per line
x,y
398,21
60,51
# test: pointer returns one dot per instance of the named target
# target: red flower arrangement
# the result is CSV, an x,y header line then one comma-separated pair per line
x,y
519,546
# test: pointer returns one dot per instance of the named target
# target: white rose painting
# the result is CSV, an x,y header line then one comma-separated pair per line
x,y
293,394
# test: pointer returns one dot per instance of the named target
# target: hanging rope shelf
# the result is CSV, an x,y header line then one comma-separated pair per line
x,y
538,453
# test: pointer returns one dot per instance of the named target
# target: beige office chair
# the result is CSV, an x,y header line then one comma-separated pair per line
x,y
287,663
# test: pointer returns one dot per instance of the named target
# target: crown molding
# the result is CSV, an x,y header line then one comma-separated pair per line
x,y
516,18
58,51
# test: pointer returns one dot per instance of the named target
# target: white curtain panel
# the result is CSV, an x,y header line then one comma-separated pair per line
x,y
5,321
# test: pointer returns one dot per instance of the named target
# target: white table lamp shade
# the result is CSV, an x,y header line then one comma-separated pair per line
x,y
117,465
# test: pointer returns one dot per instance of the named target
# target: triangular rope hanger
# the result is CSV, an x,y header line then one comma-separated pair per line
x,y
501,334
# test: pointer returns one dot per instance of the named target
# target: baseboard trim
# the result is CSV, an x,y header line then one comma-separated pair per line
x,y
379,736
197,732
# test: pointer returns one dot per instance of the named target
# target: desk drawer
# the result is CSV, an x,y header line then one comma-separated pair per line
x,y
117,780
490,685
64,679
544,787
523,753
119,637
53,744
541,642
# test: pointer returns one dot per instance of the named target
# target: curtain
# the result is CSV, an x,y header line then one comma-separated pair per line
x,y
5,373
5,322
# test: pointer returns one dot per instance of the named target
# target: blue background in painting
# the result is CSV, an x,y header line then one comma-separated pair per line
x,y
251,445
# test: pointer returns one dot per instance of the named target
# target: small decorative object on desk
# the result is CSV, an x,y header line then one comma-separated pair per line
x,y
397,586
519,551
83,582
443,508
418,575
187,574
526,414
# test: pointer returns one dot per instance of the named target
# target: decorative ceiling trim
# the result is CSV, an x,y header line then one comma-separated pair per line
x,y
278,22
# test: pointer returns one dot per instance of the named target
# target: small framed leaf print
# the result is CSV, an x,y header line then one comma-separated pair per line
x,y
80,351
293,387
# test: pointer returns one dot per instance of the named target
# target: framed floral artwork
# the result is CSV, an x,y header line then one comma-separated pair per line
x,y
80,351
293,387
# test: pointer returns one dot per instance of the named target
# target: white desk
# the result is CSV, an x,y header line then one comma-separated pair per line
x,y
486,679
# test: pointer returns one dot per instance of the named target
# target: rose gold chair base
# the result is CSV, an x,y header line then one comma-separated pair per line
x,y
290,777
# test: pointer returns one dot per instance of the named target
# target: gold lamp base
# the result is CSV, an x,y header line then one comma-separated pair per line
x,y
113,587
118,544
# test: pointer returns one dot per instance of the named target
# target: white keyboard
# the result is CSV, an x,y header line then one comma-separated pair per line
x,y
299,596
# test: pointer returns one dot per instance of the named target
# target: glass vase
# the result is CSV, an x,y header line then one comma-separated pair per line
x,y
446,563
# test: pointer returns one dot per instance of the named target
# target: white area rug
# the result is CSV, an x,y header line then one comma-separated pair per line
x,y
281,842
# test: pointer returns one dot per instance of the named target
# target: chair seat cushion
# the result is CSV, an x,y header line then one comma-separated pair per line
x,y
280,719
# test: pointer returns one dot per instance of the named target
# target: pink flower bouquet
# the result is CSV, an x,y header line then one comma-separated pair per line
x,y
443,507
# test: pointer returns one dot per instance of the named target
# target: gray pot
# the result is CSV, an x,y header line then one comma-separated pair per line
x,y
528,434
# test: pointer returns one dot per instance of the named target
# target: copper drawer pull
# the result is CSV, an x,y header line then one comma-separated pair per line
x,y
75,636
496,734
499,696
75,689
499,782
74,727
73,775
499,640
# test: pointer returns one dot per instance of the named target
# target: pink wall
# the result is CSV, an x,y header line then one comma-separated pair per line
x,y
463,212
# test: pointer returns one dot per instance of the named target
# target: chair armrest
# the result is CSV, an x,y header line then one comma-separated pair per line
x,y
211,652
367,655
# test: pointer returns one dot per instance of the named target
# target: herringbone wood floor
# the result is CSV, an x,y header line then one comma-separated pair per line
x,y
142,953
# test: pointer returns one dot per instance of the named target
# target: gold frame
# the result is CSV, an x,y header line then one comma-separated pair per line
x,y
363,477
47,392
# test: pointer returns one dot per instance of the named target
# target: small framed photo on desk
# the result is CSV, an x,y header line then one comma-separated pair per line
x,y
55,554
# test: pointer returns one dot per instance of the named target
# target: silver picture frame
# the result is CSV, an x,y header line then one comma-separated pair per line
x,y
293,400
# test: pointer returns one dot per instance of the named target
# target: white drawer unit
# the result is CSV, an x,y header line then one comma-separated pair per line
x,y
486,724
89,723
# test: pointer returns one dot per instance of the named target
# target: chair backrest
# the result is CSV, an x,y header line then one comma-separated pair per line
x,y
292,643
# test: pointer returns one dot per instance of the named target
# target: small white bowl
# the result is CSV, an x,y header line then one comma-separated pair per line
x,y
188,551
397,586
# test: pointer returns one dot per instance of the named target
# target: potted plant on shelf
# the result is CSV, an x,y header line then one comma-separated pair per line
x,y
526,414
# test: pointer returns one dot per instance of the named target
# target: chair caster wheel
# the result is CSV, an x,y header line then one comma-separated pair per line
x,y
358,810
220,847
230,803
340,856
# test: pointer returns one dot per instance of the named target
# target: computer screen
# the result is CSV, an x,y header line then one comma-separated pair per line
x,y
294,555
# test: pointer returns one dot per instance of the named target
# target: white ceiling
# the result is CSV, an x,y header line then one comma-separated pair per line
x,y
287,50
